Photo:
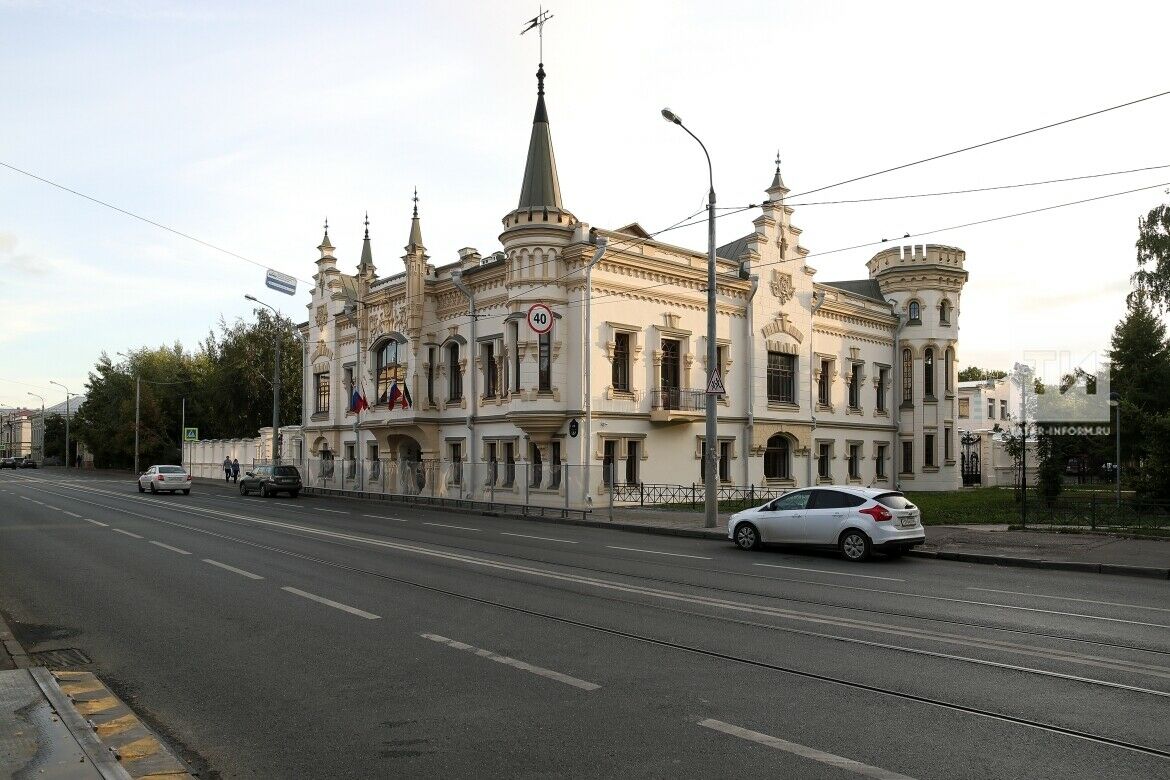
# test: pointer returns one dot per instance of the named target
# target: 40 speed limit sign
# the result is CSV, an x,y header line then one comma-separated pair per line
x,y
540,318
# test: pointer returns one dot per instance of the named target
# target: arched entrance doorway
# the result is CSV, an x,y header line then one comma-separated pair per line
x,y
408,465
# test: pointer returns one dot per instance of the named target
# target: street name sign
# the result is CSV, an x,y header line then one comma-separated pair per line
x,y
281,282
540,318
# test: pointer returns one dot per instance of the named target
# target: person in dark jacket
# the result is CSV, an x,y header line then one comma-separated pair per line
x,y
235,470
227,469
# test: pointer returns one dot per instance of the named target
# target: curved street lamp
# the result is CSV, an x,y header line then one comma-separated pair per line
x,y
710,477
275,385
68,393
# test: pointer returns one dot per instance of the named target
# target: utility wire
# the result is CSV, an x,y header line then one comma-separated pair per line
x,y
983,144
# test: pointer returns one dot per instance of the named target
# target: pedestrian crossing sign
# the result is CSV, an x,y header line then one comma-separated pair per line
x,y
190,434
715,384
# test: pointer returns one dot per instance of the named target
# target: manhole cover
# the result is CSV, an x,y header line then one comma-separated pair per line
x,y
61,659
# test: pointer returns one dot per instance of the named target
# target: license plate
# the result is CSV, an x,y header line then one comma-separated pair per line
x,y
909,522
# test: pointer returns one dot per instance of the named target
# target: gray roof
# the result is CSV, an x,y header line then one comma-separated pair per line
x,y
367,260
866,288
735,249
541,189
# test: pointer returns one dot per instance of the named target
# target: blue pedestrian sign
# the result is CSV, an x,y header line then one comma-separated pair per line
x,y
281,282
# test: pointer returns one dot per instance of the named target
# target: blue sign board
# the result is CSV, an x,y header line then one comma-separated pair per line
x,y
281,282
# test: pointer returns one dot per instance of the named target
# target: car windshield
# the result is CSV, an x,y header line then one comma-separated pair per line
x,y
285,471
894,501
171,470
797,500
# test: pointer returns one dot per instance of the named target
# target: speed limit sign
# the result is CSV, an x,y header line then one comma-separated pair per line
x,y
540,318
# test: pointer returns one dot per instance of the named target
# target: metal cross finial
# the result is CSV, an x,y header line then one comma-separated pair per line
x,y
367,224
415,199
538,23
326,225
777,160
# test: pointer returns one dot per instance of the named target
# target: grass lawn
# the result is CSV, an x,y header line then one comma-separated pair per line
x,y
974,505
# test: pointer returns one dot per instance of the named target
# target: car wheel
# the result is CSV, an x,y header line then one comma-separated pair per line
x,y
264,491
152,490
747,537
140,488
855,546
243,489
187,492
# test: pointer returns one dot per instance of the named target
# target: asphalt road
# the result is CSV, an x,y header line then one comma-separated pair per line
x,y
318,638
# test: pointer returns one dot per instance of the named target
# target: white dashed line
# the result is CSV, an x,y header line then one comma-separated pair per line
x,y
74,514
457,527
49,506
334,604
544,538
241,572
656,552
333,511
95,522
1069,598
837,762
168,547
127,533
829,571
503,659
384,517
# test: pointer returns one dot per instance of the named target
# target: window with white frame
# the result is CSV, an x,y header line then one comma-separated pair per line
x,y
855,381
781,378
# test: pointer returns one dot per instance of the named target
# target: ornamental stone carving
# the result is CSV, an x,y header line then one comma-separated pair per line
x,y
782,286
322,316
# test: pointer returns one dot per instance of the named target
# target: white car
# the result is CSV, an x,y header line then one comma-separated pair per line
x,y
170,479
856,521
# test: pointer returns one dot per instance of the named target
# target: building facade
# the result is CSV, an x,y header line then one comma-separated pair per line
x,y
849,382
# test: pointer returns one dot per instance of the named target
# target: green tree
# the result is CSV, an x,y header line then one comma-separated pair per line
x,y
1153,256
1140,375
977,374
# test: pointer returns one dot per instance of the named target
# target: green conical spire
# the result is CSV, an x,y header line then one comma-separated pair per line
x,y
541,189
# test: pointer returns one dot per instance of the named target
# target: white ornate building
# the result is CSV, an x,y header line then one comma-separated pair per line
x,y
842,382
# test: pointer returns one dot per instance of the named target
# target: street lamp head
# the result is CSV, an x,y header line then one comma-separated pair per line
x,y
670,116
251,298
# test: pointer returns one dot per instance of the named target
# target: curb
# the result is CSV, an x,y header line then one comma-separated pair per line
x,y
1150,572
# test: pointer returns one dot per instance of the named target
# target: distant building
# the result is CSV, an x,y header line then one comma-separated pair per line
x,y
826,382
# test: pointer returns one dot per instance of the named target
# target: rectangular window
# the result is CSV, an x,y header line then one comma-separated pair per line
x,y
948,453
545,357
431,375
724,461
964,408
454,375
928,450
880,462
509,464
609,455
456,463
855,461
321,388
347,385
824,453
631,463
555,475
855,386
493,463
882,383
536,466
489,370
1003,412
990,408
781,378
515,357
907,466
621,361
907,377
824,395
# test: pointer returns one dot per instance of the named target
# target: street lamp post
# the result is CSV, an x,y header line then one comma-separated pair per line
x,y
1115,401
34,395
710,476
68,394
275,384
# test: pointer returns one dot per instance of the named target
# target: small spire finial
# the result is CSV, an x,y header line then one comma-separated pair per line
x,y
777,160
540,79
367,223
326,225
415,199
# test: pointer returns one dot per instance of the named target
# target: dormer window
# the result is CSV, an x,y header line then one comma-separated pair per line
x,y
915,313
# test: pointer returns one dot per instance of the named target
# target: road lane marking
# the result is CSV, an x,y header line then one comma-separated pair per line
x,y
1069,598
127,533
837,762
584,685
545,538
95,522
50,506
457,527
168,547
656,552
333,511
334,604
74,514
384,517
247,574
829,571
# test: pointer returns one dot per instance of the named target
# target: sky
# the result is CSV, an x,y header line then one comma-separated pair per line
x,y
247,124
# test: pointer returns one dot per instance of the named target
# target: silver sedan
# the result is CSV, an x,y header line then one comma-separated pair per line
x,y
169,479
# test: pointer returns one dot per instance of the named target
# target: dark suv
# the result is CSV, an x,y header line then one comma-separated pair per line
x,y
270,480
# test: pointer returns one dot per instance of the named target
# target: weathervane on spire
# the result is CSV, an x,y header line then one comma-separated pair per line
x,y
415,199
538,23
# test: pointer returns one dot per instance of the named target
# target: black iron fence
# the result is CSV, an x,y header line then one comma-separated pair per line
x,y
677,399
731,497
1095,510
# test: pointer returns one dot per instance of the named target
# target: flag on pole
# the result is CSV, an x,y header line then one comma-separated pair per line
x,y
357,401
393,394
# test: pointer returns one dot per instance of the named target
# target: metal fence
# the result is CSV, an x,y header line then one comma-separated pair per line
x,y
1096,510
732,498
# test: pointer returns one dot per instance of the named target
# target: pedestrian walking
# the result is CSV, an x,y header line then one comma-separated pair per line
x,y
235,470
227,469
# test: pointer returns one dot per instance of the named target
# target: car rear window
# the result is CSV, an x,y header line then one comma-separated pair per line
x,y
894,501
171,470
286,471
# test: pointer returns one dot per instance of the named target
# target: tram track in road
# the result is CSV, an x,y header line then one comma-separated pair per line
x,y
219,514
694,649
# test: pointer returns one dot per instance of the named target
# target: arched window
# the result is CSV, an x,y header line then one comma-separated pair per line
x,y
390,368
454,375
928,373
777,458
907,377
944,312
949,367
915,313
